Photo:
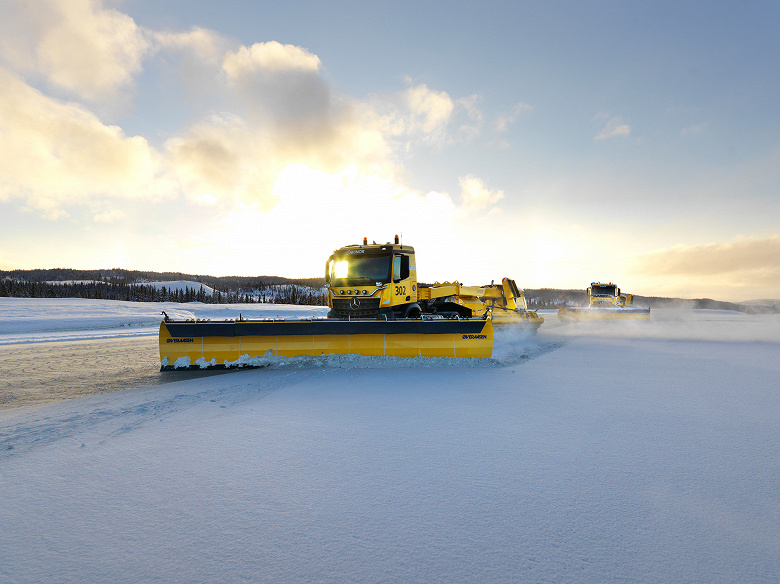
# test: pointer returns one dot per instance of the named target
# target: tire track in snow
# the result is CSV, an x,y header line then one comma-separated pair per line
x,y
46,372
87,421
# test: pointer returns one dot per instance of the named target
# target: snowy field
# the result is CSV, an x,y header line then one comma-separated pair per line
x,y
35,320
596,452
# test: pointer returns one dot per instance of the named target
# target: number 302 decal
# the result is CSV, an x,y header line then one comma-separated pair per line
x,y
400,290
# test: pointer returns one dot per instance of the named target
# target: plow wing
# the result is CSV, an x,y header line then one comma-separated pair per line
x,y
204,344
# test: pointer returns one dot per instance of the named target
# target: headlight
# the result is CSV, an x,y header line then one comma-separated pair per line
x,y
340,269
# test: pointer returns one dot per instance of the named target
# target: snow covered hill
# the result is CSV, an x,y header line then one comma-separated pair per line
x,y
176,285
612,452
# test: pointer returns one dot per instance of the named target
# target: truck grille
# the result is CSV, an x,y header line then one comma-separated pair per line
x,y
355,307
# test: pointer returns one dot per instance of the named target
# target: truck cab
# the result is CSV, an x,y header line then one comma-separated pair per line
x,y
605,295
372,281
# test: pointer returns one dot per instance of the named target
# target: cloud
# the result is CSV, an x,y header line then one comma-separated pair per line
x,y
429,110
110,216
504,121
276,111
223,159
293,118
615,127
475,196
75,44
746,255
203,44
726,267
53,153
469,123
282,90
325,210
232,159
270,57
420,115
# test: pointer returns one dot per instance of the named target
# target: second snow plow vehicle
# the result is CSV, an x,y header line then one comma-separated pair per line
x,y
605,302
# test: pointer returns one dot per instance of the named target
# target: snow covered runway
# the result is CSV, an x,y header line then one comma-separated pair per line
x,y
583,455
42,372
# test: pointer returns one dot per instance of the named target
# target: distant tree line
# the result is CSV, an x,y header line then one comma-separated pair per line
x,y
549,298
133,286
118,275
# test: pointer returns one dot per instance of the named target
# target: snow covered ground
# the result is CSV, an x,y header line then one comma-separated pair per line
x,y
34,320
596,452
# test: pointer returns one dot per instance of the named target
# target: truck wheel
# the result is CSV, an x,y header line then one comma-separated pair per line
x,y
413,311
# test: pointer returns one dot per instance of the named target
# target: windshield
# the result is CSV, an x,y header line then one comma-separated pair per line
x,y
603,291
351,270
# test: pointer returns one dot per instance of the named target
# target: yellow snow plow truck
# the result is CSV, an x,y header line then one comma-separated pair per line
x,y
380,281
605,301
376,308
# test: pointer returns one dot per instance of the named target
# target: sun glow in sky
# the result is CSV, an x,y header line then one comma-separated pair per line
x,y
554,143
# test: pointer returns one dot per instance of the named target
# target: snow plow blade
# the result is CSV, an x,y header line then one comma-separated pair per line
x,y
206,344
578,313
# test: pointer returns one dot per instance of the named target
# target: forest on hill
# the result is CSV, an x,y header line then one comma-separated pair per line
x,y
550,298
139,286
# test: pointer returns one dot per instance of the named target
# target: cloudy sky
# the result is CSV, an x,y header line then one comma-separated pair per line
x,y
556,143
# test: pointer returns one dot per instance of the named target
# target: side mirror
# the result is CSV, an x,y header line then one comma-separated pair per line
x,y
327,271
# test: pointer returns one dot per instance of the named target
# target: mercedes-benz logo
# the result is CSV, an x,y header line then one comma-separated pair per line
x,y
354,303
